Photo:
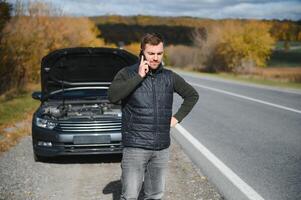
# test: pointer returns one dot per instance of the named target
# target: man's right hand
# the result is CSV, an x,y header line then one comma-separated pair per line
x,y
143,67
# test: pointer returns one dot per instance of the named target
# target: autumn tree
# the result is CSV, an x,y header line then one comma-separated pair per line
x,y
5,13
207,39
30,37
234,46
286,31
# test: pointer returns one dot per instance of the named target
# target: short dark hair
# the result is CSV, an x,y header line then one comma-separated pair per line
x,y
152,39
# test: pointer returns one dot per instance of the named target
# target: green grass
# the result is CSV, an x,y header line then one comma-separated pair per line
x,y
280,58
16,109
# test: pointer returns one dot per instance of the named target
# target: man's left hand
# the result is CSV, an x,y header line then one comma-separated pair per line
x,y
173,122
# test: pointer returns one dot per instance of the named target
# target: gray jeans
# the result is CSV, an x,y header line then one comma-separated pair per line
x,y
141,164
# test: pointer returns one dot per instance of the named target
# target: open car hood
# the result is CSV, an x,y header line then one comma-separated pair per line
x,y
82,67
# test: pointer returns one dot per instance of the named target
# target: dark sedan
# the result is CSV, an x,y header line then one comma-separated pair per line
x,y
75,116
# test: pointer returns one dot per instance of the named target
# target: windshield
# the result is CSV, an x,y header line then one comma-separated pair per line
x,y
81,94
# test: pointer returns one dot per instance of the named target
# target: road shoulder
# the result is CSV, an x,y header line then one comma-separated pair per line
x,y
96,177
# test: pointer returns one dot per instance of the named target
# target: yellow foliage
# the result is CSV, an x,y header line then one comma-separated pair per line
x,y
234,45
133,48
286,30
245,42
299,36
27,38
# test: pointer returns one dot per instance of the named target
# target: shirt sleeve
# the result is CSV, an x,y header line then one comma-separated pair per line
x,y
122,85
189,95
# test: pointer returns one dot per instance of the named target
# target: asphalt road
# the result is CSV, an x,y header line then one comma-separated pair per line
x,y
255,131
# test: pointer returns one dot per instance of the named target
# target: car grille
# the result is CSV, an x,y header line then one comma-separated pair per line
x,y
89,126
92,148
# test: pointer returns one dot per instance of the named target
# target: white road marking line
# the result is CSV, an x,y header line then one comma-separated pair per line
x,y
248,98
235,179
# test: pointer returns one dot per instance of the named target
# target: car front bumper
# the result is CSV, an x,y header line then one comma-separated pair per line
x,y
49,143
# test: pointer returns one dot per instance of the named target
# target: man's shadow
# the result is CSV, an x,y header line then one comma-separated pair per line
x,y
114,188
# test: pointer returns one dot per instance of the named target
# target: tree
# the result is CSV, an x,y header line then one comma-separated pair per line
x,y
233,46
5,13
30,37
207,39
286,31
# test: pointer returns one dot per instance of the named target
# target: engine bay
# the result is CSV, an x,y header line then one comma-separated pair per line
x,y
89,110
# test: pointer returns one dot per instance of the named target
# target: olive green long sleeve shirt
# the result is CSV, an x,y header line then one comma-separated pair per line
x,y
123,85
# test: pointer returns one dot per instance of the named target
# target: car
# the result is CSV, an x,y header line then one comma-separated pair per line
x,y
75,116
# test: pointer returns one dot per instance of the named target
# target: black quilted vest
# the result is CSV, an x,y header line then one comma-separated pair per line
x,y
147,111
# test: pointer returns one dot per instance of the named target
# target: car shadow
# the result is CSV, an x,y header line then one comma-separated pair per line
x,y
114,188
84,159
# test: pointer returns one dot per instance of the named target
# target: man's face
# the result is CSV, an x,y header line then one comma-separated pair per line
x,y
154,54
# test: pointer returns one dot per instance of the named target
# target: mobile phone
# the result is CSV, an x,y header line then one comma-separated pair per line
x,y
141,54
140,57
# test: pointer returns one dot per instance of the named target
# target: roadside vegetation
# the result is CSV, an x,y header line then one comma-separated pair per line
x,y
282,67
16,113
249,49
34,30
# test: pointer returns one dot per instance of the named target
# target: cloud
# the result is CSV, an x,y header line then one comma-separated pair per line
x,y
217,9
268,10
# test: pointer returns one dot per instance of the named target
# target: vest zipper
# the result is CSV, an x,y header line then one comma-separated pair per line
x,y
155,110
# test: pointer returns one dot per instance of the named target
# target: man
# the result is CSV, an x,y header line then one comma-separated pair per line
x,y
146,93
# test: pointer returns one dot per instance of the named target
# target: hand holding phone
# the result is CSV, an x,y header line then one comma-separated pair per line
x,y
143,67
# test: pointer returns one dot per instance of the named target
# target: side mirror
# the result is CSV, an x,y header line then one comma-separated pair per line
x,y
36,95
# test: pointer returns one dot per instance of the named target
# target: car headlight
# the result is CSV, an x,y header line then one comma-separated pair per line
x,y
44,123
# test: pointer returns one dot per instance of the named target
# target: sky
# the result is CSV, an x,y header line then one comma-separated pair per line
x,y
215,9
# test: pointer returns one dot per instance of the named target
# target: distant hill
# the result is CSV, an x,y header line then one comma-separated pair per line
x,y
176,30
114,33
152,20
